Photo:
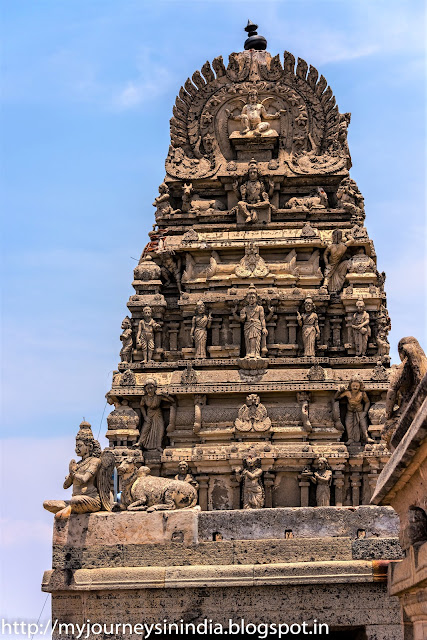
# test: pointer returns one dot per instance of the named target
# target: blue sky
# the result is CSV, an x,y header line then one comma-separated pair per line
x,y
87,93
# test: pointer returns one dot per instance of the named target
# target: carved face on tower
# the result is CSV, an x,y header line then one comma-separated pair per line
x,y
355,386
200,308
83,448
253,171
308,305
253,97
146,312
336,236
322,464
126,324
183,468
150,387
360,306
252,400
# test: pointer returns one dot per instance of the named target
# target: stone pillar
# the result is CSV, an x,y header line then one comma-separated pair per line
x,y
268,487
336,322
235,332
188,343
339,488
322,340
216,324
304,484
173,336
372,480
355,488
203,492
199,402
348,337
235,491
292,324
271,326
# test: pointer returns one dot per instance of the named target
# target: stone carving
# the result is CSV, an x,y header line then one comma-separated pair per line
x,y
404,380
317,200
153,427
310,327
145,336
383,344
189,376
126,338
255,330
190,236
193,203
252,415
128,378
251,265
344,121
316,372
144,492
162,202
361,328
90,478
253,494
303,398
253,194
254,117
335,267
308,231
199,329
357,410
321,476
147,269
184,474
170,267
380,373
350,198
361,263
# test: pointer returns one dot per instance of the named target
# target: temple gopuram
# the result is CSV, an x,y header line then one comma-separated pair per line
x,y
250,397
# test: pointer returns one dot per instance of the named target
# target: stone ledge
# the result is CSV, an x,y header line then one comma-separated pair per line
x,y
208,576
377,549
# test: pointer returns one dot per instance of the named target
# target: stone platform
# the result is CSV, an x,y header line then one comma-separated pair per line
x,y
268,565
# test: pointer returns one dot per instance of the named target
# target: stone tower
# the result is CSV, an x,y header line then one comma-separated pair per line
x,y
258,296
254,367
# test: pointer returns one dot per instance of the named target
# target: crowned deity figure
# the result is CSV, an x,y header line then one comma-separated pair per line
x,y
254,116
361,328
185,475
153,427
322,478
126,338
255,330
145,336
199,329
335,267
90,478
310,327
253,194
253,494
358,405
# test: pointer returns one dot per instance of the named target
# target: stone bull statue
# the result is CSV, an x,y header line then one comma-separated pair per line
x,y
143,492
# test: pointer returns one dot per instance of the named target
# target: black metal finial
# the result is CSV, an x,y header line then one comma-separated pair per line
x,y
254,41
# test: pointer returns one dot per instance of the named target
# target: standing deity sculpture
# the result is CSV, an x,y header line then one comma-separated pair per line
x,y
335,267
170,268
255,330
322,478
254,116
199,329
126,339
253,494
361,329
145,336
252,415
253,194
358,405
90,478
310,327
184,474
153,427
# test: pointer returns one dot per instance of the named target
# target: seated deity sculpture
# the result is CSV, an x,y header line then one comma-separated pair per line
x,y
90,478
253,194
254,117
162,202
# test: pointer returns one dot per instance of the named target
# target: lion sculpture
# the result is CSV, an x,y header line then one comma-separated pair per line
x,y
144,492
